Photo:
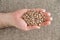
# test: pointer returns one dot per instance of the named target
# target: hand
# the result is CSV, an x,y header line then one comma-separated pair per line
x,y
21,24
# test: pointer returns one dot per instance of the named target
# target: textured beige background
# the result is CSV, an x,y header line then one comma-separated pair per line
x,y
51,32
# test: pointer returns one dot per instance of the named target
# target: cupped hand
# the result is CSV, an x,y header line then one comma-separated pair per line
x,y
21,24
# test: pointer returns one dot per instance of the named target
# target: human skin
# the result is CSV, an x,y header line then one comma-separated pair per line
x,y
15,19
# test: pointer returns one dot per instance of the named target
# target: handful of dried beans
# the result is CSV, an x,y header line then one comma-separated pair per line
x,y
33,18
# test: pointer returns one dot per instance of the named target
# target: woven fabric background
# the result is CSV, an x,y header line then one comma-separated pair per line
x,y
51,32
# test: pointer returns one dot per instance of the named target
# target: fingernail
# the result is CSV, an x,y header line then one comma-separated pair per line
x,y
49,14
43,10
26,29
38,27
51,18
49,22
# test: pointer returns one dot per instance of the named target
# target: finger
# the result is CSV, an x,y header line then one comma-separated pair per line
x,y
32,27
46,23
39,10
46,14
48,19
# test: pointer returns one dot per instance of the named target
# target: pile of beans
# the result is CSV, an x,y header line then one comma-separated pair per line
x,y
33,18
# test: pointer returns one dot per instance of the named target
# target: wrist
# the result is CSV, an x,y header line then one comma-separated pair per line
x,y
6,20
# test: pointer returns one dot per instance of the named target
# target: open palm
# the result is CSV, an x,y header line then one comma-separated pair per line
x,y
21,24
